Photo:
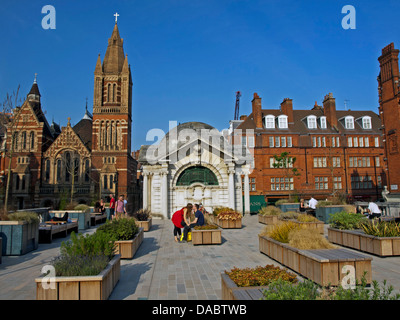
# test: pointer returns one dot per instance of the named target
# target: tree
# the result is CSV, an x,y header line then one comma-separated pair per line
x,y
287,163
10,121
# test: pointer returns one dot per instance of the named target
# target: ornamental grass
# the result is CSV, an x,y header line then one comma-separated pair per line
x,y
381,229
259,276
308,239
270,211
306,218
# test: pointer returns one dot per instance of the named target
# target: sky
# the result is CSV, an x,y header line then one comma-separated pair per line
x,y
190,57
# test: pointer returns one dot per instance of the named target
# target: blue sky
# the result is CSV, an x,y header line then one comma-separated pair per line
x,y
188,58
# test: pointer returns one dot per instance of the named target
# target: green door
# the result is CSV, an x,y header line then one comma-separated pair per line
x,y
256,203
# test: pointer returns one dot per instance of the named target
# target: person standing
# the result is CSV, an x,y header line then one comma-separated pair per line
x,y
302,207
112,206
120,206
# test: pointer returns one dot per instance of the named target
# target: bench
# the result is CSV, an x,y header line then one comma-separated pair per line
x,y
97,218
49,229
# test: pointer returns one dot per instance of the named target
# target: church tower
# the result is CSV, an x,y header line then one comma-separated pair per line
x,y
112,163
389,110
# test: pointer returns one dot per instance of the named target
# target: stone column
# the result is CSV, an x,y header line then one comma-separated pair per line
x,y
231,185
164,190
145,189
246,189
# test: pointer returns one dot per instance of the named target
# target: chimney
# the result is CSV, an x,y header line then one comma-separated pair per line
x,y
389,73
330,110
287,109
256,106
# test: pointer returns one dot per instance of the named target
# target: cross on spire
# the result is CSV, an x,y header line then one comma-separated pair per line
x,y
35,81
116,15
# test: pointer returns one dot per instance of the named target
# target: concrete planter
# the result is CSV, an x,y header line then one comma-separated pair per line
x,y
83,287
19,237
323,213
82,217
285,207
383,247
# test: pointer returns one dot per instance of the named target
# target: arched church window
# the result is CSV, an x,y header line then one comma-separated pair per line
x,y
32,140
67,166
197,174
105,182
23,140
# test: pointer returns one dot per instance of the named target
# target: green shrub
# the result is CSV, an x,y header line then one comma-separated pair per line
x,y
77,265
283,290
142,215
308,290
324,203
120,229
280,201
30,217
259,276
95,244
346,221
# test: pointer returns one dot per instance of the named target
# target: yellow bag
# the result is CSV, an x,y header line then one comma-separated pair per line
x,y
189,237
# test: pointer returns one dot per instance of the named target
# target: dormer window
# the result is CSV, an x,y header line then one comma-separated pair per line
x,y
312,122
322,122
349,122
366,122
283,122
269,121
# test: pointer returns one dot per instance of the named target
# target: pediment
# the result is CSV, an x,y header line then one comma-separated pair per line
x,y
68,139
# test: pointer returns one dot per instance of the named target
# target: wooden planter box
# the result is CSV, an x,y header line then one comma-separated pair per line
x,y
19,237
128,248
266,219
321,266
146,225
357,239
83,287
1,248
228,224
206,236
230,291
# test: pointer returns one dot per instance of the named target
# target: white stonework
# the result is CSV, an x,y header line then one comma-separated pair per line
x,y
164,164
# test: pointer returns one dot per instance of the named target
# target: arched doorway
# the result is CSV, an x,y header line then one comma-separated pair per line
x,y
197,184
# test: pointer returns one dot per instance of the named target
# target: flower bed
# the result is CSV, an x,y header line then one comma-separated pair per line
x,y
256,278
227,218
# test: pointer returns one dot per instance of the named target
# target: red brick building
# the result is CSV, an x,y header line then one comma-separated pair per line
x,y
337,152
389,105
91,159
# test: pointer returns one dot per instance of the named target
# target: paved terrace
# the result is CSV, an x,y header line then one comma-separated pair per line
x,y
164,269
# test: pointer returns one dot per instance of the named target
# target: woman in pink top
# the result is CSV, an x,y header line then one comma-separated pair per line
x,y
119,206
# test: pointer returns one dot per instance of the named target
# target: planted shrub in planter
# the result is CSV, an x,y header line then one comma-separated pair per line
x,y
20,232
86,269
269,215
308,290
206,234
126,234
379,238
143,219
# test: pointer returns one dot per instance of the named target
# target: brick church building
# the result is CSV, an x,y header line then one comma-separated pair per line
x,y
92,158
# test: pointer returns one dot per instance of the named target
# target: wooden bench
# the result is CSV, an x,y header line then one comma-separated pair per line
x,y
97,218
60,228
